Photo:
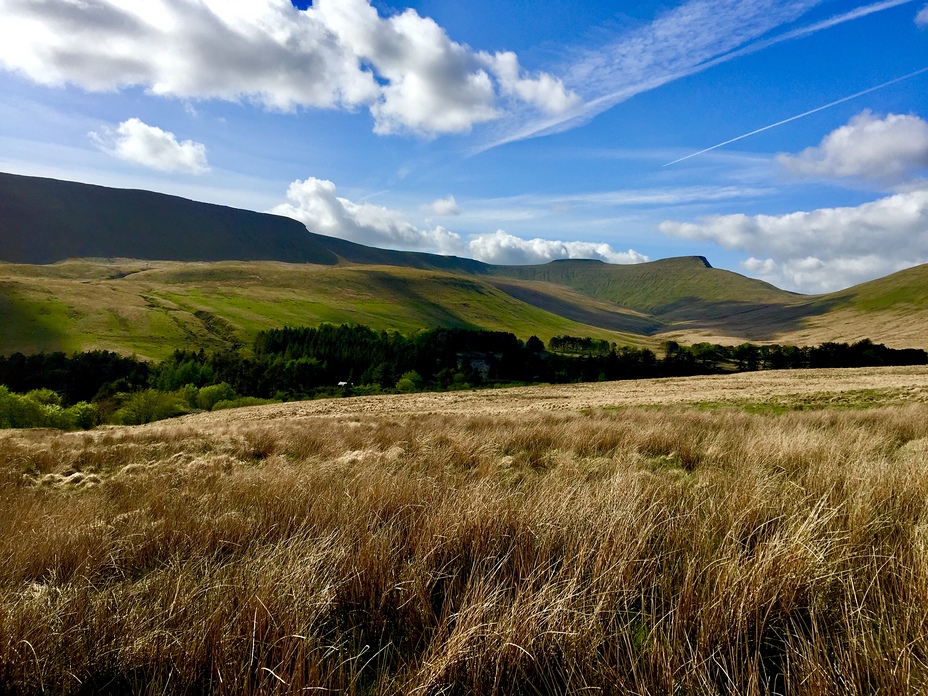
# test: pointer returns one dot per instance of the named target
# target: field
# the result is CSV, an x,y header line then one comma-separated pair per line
x,y
750,534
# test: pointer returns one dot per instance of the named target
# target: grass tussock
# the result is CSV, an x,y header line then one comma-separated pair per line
x,y
667,551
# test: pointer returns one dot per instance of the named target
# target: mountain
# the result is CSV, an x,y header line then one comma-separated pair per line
x,y
86,266
672,291
43,221
152,307
892,309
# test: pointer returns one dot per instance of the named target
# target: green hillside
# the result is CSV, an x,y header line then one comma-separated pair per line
x,y
669,288
891,310
151,308
904,291
213,276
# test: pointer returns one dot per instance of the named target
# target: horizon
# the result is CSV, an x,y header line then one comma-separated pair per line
x,y
785,141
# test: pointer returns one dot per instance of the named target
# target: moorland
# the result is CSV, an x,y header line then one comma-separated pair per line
x,y
756,533
750,533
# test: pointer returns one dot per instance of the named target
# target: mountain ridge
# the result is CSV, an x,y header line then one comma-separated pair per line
x,y
149,262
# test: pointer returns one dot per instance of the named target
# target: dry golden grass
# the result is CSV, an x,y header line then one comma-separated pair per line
x,y
648,550
788,388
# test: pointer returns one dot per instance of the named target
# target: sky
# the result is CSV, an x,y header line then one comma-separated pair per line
x,y
786,140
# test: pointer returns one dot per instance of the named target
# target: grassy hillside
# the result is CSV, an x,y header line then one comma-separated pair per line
x,y
893,310
572,304
43,221
151,308
905,291
672,288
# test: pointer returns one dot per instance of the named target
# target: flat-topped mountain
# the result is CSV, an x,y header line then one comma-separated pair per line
x,y
46,220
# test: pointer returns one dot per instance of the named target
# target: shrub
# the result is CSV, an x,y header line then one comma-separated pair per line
x,y
41,408
149,405
409,382
243,401
213,394
46,397
84,416
17,411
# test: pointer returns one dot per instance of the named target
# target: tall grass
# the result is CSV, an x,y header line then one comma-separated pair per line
x,y
668,551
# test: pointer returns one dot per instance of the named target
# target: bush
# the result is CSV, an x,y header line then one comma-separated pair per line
x,y
243,401
84,416
41,408
149,405
46,397
213,394
16,411
409,382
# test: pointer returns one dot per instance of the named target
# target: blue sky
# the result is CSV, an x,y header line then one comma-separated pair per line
x,y
510,131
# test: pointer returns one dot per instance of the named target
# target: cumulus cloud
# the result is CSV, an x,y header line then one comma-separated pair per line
x,y
314,203
921,19
504,248
136,141
444,207
824,249
544,91
889,149
335,54
762,267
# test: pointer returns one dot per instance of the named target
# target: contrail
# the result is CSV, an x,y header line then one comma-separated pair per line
x,y
802,115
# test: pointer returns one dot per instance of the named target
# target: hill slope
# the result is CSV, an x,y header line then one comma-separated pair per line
x,y
669,291
892,309
150,305
151,308
43,221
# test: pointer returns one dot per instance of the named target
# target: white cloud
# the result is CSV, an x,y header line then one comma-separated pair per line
x,y
504,248
314,203
825,249
545,92
335,54
135,141
888,150
762,267
921,19
445,207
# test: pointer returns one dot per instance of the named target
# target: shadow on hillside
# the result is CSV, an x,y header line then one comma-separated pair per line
x,y
402,293
24,329
753,321
600,318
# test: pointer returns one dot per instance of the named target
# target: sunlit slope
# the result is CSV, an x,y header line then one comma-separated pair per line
x,y
891,310
151,308
676,296
666,288
576,306
902,292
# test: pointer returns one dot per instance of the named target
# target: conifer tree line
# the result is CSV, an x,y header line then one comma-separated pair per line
x,y
89,388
